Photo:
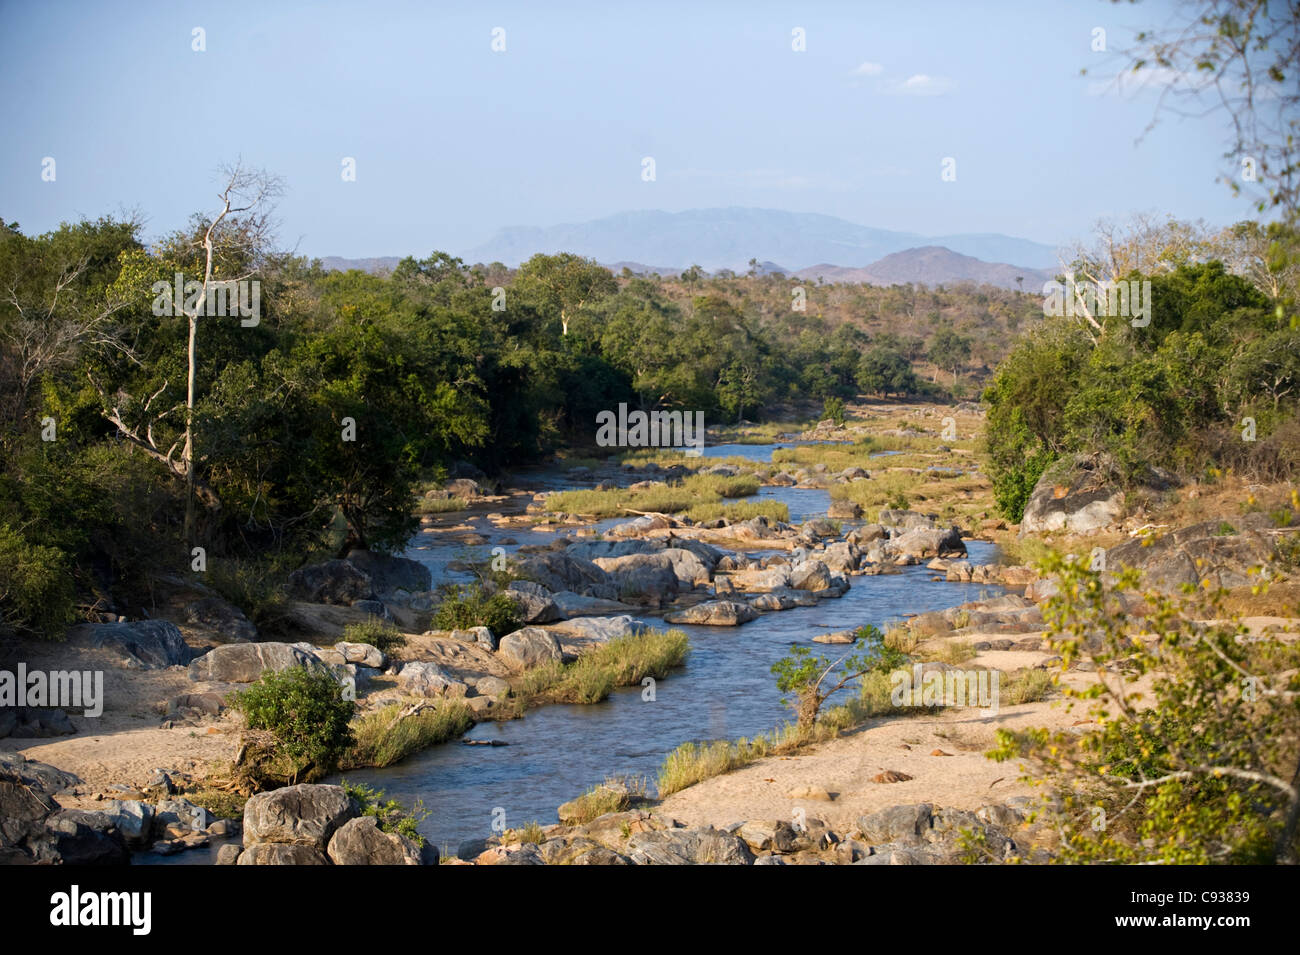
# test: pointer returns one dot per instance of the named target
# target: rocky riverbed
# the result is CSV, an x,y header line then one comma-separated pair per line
x,y
743,589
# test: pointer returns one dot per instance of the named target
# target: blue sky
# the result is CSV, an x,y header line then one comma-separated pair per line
x,y
453,140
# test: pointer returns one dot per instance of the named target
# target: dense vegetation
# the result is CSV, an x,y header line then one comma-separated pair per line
x,y
1211,382
310,425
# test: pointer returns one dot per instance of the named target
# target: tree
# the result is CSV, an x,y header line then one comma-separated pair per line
x,y
564,284
807,678
885,371
949,351
1239,58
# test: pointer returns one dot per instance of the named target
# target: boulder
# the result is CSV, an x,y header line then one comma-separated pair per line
x,y
76,837
690,569
245,662
132,819
428,680
213,613
641,576
896,824
337,582
577,605
810,575
705,846
559,571
923,542
362,653
143,644
1080,495
388,573
714,613
274,853
844,511
600,629
360,841
27,791
1212,550
761,581
483,636
529,647
302,815
533,607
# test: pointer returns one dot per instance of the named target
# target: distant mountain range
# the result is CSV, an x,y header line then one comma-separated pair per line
x,y
729,238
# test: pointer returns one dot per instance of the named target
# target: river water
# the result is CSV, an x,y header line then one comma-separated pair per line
x,y
724,691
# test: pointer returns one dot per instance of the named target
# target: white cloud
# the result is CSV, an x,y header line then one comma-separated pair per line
x,y
1131,82
921,84
869,69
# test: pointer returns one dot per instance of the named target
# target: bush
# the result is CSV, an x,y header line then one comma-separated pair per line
x,y
833,409
1198,769
390,814
380,634
306,712
36,592
805,676
466,607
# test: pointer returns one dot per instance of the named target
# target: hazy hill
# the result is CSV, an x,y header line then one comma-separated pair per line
x,y
728,238
931,265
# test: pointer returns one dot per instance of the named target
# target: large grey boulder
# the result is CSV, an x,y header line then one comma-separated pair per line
x,y
533,607
388,573
76,837
27,791
530,647
1081,495
302,815
600,629
765,580
1219,551
705,846
429,680
560,571
690,569
925,542
641,576
143,644
275,853
131,818
360,841
337,582
810,575
246,662
714,613
896,824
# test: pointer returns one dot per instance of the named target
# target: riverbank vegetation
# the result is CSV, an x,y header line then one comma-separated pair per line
x,y
624,661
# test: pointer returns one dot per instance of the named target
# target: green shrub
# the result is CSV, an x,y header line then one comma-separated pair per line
x,y
465,607
390,814
306,712
36,591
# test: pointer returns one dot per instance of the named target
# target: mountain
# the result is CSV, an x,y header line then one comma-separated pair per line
x,y
383,263
931,265
728,238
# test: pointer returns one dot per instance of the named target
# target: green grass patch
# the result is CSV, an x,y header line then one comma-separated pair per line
x,y
625,661
388,735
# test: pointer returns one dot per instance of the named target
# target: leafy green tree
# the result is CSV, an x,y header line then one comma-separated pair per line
x,y
885,371
810,680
